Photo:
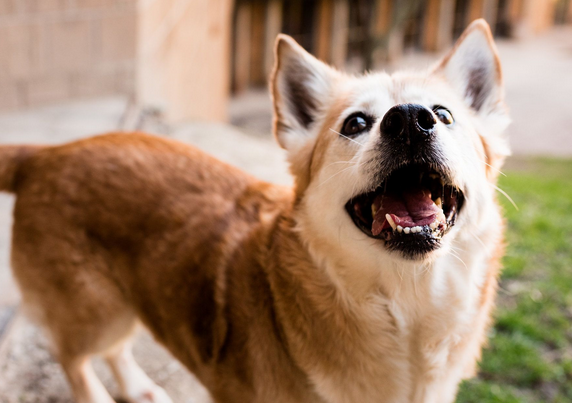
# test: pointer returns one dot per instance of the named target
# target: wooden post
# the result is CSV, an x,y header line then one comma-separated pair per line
x,y
332,31
323,33
382,18
490,11
486,9
183,64
340,27
242,45
476,8
538,15
258,43
273,28
439,20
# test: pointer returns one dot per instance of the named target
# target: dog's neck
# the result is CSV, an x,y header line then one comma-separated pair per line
x,y
360,275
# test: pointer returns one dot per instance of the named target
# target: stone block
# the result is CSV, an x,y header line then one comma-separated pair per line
x,y
39,6
83,4
9,96
15,51
93,84
8,7
71,44
118,39
48,89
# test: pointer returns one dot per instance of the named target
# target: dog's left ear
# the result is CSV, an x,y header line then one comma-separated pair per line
x,y
300,86
473,68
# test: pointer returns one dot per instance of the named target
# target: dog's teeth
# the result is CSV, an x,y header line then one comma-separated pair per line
x,y
399,228
439,203
419,229
373,210
434,224
406,230
391,222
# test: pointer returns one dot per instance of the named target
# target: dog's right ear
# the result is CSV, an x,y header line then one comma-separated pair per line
x,y
300,86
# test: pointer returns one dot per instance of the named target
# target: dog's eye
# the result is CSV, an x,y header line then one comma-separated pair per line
x,y
355,124
443,114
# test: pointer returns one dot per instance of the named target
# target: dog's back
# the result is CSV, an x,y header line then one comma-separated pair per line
x,y
106,227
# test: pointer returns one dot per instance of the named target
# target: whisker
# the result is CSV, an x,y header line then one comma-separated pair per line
x,y
340,162
479,239
459,259
350,139
337,173
505,194
496,169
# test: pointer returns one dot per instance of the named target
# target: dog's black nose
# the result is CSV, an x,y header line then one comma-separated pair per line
x,y
409,123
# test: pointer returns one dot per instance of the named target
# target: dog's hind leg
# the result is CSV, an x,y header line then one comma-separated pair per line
x,y
86,386
68,287
135,385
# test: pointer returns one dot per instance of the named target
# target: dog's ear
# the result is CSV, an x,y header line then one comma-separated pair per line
x,y
473,68
300,87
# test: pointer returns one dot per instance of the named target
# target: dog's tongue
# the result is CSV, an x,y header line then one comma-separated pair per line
x,y
408,209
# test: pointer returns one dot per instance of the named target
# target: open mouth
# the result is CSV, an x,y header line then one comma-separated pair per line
x,y
411,210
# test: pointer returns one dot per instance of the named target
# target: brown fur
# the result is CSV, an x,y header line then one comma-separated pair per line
x,y
107,227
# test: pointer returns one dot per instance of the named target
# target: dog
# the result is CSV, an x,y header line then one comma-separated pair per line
x,y
372,279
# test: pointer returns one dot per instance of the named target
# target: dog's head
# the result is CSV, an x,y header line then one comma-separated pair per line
x,y
399,164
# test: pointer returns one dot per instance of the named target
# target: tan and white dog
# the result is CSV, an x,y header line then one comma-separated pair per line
x,y
372,280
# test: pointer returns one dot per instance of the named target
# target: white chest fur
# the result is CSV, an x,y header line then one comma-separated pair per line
x,y
433,309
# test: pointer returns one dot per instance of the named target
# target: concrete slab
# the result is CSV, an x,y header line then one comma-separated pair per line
x,y
29,373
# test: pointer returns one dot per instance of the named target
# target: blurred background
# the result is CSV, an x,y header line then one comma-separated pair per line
x,y
196,71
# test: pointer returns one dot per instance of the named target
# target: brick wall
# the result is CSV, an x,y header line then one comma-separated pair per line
x,y
54,50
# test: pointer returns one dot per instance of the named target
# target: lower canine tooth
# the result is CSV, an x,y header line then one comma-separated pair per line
x,y
406,230
391,222
373,210
434,225
439,203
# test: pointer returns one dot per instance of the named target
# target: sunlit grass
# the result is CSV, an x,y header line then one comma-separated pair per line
x,y
529,358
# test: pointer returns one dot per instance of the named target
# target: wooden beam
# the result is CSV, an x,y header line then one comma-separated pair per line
x,y
242,47
339,34
490,12
322,43
382,18
476,8
258,43
438,29
273,28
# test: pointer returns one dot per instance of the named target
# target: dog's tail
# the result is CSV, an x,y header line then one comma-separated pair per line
x,y
11,159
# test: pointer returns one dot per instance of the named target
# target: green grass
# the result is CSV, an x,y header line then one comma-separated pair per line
x,y
529,356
